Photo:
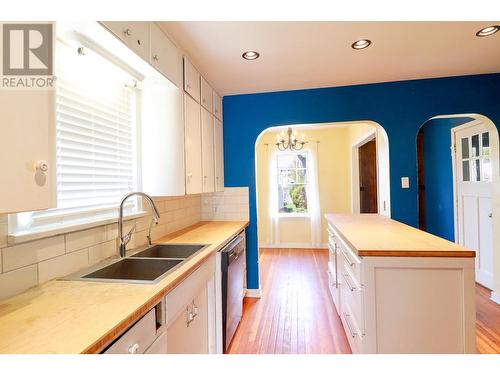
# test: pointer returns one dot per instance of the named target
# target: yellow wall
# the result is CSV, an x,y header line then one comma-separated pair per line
x,y
333,180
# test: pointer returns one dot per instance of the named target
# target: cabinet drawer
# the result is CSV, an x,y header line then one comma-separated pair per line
x,y
351,329
350,261
206,95
352,298
182,295
138,338
164,55
191,80
334,288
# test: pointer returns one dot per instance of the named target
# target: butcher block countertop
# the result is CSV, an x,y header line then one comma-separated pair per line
x,y
84,317
376,235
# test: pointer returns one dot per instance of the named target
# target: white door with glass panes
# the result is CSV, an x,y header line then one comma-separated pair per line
x,y
474,197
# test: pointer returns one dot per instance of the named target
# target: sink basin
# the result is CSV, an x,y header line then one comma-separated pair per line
x,y
134,270
173,251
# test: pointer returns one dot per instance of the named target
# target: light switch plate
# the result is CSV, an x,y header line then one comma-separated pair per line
x,y
405,182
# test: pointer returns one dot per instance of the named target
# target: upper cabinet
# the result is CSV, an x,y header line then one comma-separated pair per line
x,y
193,145
27,150
136,35
191,80
219,155
206,95
217,105
164,55
207,150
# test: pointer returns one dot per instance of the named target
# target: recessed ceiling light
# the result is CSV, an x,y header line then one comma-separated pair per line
x,y
250,55
487,31
361,44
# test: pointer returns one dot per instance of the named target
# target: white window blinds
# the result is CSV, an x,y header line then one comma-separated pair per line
x,y
95,134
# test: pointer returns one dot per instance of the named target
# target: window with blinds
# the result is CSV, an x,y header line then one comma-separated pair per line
x,y
95,136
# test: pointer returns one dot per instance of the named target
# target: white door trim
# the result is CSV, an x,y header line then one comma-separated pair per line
x,y
355,169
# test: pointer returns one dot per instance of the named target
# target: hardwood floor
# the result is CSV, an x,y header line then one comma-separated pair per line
x,y
296,313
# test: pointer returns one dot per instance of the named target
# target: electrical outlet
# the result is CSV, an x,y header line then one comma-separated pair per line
x,y
405,182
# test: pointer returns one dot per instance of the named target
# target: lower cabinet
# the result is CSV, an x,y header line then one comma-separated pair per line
x,y
190,313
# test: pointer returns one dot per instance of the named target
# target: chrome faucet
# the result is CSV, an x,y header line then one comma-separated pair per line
x,y
124,240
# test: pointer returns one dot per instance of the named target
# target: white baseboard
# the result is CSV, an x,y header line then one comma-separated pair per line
x,y
495,297
292,245
253,293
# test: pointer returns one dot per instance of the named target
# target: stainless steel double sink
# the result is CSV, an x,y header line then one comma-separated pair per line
x,y
147,266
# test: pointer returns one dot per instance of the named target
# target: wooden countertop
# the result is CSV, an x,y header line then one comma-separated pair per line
x,y
376,235
83,317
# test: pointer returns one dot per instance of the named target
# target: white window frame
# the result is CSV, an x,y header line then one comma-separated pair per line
x,y
85,217
292,215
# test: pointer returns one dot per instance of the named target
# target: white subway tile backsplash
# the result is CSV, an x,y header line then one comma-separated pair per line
x,y
231,204
63,265
85,238
31,263
18,281
102,251
32,252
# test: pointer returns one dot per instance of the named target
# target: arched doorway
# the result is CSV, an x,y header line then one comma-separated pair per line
x,y
458,172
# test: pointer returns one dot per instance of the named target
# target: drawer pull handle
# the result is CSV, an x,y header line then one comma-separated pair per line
x,y
133,349
347,318
349,285
351,263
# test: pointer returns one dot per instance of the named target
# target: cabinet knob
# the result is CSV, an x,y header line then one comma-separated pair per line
x,y
127,32
490,214
133,349
156,58
42,166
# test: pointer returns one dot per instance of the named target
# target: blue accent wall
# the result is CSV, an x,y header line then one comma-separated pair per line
x,y
438,176
400,107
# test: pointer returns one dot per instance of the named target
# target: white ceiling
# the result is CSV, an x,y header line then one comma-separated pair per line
x,y
297,55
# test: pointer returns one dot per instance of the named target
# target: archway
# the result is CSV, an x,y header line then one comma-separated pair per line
x,y
458,190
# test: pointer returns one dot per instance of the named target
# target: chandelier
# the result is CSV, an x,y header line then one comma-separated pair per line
x,y
292,143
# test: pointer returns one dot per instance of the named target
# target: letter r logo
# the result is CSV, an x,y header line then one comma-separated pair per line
x,y
27,49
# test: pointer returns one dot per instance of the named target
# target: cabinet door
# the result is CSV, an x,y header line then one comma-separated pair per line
x,y
193,146
190,336
207,152
219,155
217,105
164,55
206,95
136,35
27,139
191,80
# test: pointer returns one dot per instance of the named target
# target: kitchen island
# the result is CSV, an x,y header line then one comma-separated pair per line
x,y
398,289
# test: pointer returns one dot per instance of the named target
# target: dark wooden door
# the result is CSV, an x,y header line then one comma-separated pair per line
x,y
368,178
421,181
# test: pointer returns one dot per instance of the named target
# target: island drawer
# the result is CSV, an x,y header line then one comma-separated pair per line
x,y
352,298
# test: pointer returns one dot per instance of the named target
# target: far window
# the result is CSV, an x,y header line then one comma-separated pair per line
x,y
292,182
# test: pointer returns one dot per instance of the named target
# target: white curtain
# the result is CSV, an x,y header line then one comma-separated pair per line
x,y
313,204
274,224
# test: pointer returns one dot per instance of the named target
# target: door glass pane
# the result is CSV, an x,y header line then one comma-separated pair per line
x,y
486,144
465,171
465,148
486,169
477,170
475,145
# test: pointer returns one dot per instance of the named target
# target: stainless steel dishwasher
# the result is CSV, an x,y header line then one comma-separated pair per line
x,y
233,271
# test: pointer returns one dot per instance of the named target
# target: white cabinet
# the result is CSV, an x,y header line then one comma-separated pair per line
x,y
191,80
207,151
192,118
217,105
219,155
136,35
206,95
399,304
190,319
28,131
164,55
